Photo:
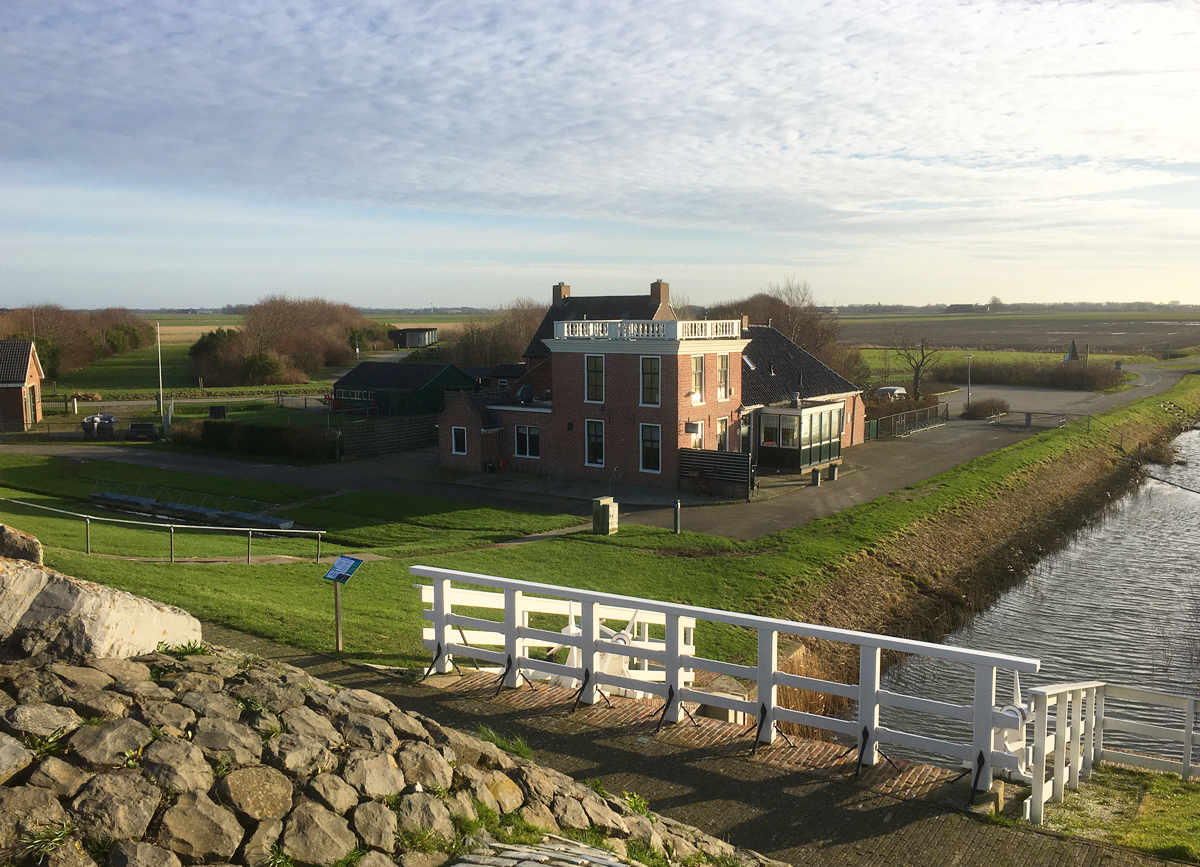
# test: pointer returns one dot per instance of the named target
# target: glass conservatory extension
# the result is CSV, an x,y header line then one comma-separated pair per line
x,y
799,437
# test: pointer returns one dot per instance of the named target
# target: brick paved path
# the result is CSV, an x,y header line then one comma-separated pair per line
x,y
799,804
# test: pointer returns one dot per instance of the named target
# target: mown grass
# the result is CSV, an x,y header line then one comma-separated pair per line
x,y
1158,814
779,575
137,370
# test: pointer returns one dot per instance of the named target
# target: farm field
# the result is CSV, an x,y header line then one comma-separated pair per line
x,y
1116,334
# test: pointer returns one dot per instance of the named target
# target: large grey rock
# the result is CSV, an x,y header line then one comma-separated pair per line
x,y
423,764
121,670
298,756
569,813
86,619
536,785
111,744
642,830
168,716
603,817
475,751
472,780
15,545
42,719
210,705
257,793
117,806
59,777
191,681
315,836
199,830
144,690
364,732
220,737
374,775
70,853
407,728
129,853
424,812
23,810
31,686
14,758
177,765
90,702
263,722
538,814
378,859
507,793
79,677
364,701
257,846
274,696
376,826
307,722
460,804
332,791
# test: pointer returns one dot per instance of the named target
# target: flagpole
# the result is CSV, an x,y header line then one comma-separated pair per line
x,y
158,338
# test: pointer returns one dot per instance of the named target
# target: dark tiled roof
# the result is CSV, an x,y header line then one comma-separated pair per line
x,y
487,418
781,368
595,307
539,379
14,360
391,375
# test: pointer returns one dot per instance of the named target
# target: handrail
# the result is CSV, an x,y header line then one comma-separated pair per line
x,y
678,660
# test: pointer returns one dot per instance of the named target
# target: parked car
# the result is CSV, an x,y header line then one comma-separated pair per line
x,y
142,430
101,425
892,392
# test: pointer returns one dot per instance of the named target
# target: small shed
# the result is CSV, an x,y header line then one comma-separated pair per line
x,y
413,338
21,378
394,388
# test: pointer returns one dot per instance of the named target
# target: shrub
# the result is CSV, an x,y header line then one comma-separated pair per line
x,y
985,408
1073,377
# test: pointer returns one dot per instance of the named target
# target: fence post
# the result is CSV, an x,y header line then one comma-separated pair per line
x,y
249,544
318,546
1062,724
768,654
589,656
868,703
981,740
172,543
441,623
1076,746
673,666
87,535
1037,799
514,645
1189,721
1089,732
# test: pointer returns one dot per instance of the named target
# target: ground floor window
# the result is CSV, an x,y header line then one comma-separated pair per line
x,y
528,442
594,455
722,434
651,448
459,435
698,436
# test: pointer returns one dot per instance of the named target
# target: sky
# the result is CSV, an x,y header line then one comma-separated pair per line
x,y
413,154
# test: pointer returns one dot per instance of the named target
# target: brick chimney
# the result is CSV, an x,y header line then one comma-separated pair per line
x,y
745,323
561,291
660,292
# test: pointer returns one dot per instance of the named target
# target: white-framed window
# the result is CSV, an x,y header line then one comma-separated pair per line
x,y
651,380
722,434
698,436
594,374
527,441
459,437
593,454
651,448
698,379
501,383
723,376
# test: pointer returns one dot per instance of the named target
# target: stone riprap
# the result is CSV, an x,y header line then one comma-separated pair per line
x,y
217,758
45,615
16,545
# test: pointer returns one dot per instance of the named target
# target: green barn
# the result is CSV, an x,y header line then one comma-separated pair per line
x,y
394,388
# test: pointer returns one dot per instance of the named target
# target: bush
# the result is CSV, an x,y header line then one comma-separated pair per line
x,y
310,443
985,408
1073,376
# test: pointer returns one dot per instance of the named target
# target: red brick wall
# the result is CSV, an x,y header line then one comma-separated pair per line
x,y
12,409
481,447
711,410
854,430
510,418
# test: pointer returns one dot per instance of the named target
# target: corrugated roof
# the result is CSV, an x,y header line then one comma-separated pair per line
x,y
391,375
779,368
595,307
14,360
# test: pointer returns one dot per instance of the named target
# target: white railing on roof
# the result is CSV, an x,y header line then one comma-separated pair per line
x,y
648,329
677,660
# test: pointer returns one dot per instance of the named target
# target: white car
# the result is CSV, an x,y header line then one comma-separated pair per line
x,y
892,392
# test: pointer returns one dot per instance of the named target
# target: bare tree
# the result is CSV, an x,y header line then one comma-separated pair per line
x,y
500,338
919,354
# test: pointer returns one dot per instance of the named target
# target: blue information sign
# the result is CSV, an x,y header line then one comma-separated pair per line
x,y
341,570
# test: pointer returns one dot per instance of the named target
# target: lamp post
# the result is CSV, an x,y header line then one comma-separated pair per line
x,y
969,357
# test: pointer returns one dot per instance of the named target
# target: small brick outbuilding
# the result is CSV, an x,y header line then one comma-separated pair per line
x,y
21,378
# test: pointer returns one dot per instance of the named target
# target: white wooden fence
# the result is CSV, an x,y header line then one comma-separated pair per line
x,y
676,658
1073,737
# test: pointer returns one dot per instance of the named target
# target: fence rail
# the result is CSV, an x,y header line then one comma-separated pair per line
x,y
904,423
514,638
172,527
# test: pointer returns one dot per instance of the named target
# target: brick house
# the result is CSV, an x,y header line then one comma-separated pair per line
x,y
20,385
617,387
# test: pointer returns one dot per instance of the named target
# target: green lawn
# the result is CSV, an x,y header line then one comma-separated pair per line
x,y
133,371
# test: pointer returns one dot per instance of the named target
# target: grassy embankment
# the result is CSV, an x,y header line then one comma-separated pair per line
x,y
801,572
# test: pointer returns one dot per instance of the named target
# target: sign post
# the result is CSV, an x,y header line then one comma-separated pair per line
x,y
339,573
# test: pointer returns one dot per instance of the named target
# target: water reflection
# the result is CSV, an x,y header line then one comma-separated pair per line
x,y
1120,603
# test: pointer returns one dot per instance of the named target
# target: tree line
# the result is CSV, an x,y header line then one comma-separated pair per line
x,y
69,340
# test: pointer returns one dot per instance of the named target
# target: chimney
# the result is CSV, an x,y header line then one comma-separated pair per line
x,y
745,323
659,292
561,291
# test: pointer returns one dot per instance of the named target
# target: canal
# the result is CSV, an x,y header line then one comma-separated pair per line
x,y
1119,603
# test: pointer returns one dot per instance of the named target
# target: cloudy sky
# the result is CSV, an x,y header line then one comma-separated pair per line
x,y
156,153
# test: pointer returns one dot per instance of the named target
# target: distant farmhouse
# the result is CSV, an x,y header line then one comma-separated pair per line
x,y
617,386
20,385
413,338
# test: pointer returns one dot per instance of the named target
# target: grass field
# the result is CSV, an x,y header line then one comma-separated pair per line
x,y
781,574
881,358
133,371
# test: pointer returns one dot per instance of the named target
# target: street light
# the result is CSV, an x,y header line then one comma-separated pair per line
x,y
969,357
